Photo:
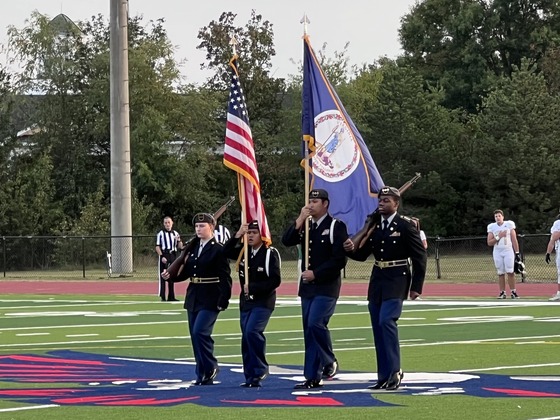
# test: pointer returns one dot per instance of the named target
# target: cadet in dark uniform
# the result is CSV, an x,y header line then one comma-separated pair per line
x,y
209,291
320,283
257,299
393,242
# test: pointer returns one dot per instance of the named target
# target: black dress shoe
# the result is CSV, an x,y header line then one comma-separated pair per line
x,y
173,300
162,299
309,384
211,375
262,377
381,384
330,370
252,384
203,382
394,381
207,379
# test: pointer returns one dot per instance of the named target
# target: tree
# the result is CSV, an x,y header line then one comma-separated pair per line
x,y
255,48
517,154
456,44
408,131
7,139
29,192
70,69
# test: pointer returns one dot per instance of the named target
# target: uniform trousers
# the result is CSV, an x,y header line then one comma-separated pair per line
x,y
201,325
253,342
316,313
384,319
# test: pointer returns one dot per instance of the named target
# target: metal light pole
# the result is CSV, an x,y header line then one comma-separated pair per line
x,y
121,208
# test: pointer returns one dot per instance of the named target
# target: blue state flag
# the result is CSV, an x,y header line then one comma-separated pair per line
x,y
340,161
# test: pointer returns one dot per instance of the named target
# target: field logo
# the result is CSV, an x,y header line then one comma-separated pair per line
x,y
102,380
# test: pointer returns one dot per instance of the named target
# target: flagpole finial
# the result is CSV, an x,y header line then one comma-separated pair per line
x,y
233,42
305,21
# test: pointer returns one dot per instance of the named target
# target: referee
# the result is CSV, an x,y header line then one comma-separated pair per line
x,y
167,242
221,234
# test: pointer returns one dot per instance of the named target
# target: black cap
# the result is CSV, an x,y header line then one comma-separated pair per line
x,y
203,218
254,225
389,191
323,194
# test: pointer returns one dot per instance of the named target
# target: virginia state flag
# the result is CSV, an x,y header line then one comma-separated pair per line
x,y
340,161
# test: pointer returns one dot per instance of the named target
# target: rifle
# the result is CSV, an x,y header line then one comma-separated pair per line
x,y
360,237
177,266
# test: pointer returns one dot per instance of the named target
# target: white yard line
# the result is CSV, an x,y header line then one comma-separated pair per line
x,y
505,367
6,410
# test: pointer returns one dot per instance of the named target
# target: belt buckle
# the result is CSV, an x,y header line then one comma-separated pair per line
x,y
382,264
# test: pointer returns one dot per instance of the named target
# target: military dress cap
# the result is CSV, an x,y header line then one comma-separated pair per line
x,y
389,191
254,225
323,194
203,218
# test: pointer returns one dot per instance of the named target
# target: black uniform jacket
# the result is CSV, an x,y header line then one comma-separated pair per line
x,y
325,259
262,286
401,241
212,262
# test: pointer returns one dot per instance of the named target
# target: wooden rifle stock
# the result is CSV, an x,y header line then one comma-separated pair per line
x,y
176,268
360,237
222,209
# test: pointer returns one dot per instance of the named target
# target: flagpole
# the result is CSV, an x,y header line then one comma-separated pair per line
x,y
241,186
305,21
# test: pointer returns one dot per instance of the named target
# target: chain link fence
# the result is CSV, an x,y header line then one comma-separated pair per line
x,y
459,260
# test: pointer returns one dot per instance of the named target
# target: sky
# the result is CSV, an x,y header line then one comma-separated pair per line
x,y
369,26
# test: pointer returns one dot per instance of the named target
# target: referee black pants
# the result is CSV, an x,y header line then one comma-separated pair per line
x,y
170,257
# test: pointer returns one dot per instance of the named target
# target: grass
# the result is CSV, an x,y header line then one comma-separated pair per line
x,y
500,338
459,269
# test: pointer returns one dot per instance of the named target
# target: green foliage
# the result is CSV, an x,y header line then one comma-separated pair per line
x,y
472,105
457,44
518,148
31,209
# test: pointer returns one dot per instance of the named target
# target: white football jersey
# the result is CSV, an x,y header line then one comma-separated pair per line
x,y
508,226
556,228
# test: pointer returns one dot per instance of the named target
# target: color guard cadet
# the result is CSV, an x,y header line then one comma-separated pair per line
x,y
257,299
320,282
394,241
208,293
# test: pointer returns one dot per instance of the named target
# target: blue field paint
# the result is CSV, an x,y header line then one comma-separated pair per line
x,y
103,380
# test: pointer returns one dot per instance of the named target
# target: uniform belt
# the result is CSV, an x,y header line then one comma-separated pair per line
x,y
196,280
388,264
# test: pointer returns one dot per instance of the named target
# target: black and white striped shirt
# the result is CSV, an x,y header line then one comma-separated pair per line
x,y
221,233
167,240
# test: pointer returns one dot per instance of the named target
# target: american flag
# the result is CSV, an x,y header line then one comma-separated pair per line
x,y
239,154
